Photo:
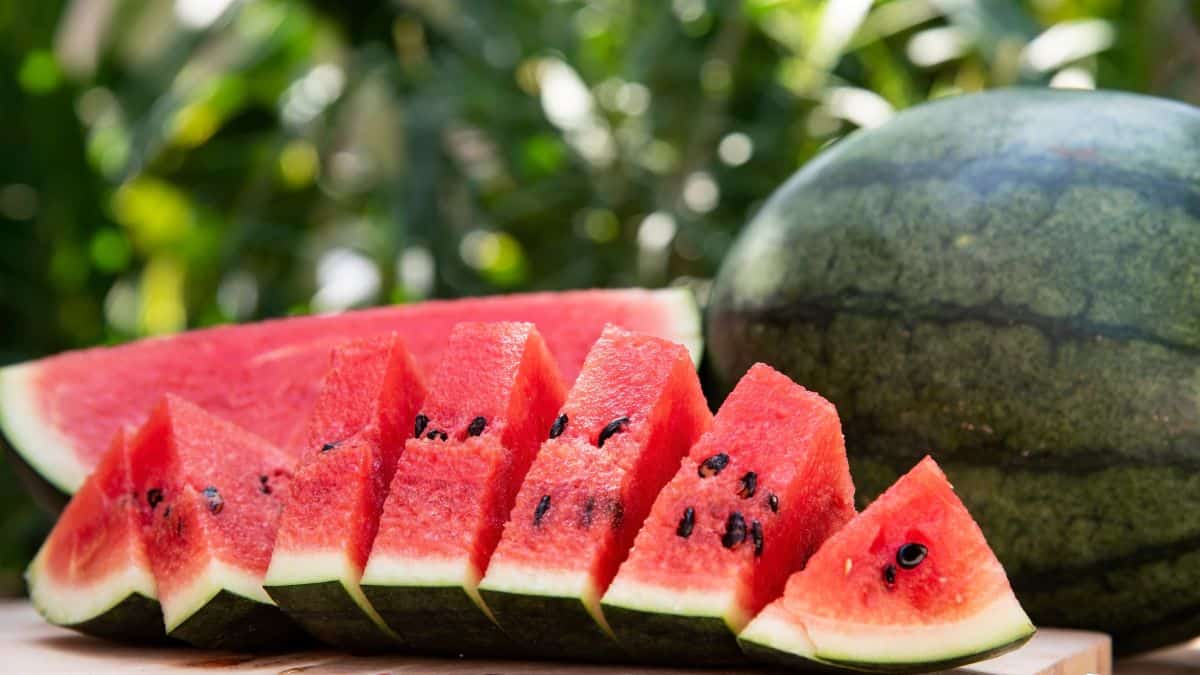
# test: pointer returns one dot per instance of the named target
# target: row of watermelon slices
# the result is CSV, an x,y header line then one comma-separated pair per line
x,y
520,518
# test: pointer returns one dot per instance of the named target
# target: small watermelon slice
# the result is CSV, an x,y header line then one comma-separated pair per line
x,y
491,400
631,416
210,495
368,400
60,412
752,501
92,574
910,585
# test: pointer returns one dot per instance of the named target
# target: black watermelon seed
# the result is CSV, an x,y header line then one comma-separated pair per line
x,y
263,487
735,530
153,497
749,484
436,435
166,513
477,426
215,501
686,523
773,502
328,446
589,509
889,575
540,512
419,425
713,465
559,426
910,555
442,435
611,428
432,434
756,536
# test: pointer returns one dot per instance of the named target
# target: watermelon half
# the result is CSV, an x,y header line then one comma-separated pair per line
x,y
491,400
910,585
367,403
631,416
59,413
92,574
753,500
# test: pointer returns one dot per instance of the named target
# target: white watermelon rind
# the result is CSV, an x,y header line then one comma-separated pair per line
x,y
720,605
994,629
291,568
385,570
182,603
683,317
78,603
38,441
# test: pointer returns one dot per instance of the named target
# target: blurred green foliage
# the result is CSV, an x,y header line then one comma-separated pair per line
x,y
170,164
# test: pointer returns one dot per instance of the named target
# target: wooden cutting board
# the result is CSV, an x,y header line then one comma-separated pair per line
x,y
29,645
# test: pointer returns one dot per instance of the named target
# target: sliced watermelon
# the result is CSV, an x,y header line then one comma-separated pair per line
x,y
367,403
753,500
210,495
491,400
910,585
92,574
631,416
60,412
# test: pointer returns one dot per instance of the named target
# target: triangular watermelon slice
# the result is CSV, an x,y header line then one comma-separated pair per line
x,y
910,585
491,400
59,413
630,417
210,495
92,574
368,401
752,501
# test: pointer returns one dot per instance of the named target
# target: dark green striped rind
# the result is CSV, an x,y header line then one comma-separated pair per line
x,y
1010,281
441,620
673,639
553,627
328,612
769,655
234,622
136,619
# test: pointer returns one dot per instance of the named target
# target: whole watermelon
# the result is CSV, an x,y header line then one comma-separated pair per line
x,y
1011,281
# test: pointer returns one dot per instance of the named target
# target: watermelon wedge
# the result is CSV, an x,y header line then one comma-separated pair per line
x,y
92,574
491,400
910,585
752,501
60,412
356,432
209,496
631,416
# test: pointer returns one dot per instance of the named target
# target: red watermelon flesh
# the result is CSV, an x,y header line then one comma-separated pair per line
x,y
354,436
92,573
210,496
909,585
492,398
752,501
631,416
60,412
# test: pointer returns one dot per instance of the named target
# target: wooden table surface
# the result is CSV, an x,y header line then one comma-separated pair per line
x,y
29,645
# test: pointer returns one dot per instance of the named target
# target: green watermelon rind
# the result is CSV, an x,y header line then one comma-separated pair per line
x,y
319,590
226,608
651,622
54,460
996,629
123,607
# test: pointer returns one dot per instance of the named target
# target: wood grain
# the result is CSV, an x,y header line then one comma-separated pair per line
x,y
29,645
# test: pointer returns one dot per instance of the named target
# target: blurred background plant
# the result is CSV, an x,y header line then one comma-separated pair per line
x,y
169,164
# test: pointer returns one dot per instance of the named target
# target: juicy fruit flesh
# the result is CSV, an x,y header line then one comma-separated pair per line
x,y
582,503
208,506
741,543
866,586
60,412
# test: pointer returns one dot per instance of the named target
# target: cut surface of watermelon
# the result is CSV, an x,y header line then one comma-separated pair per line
x,y
356,432
92,574
909,585
59,413
209,500
491,400
752,501
630,417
